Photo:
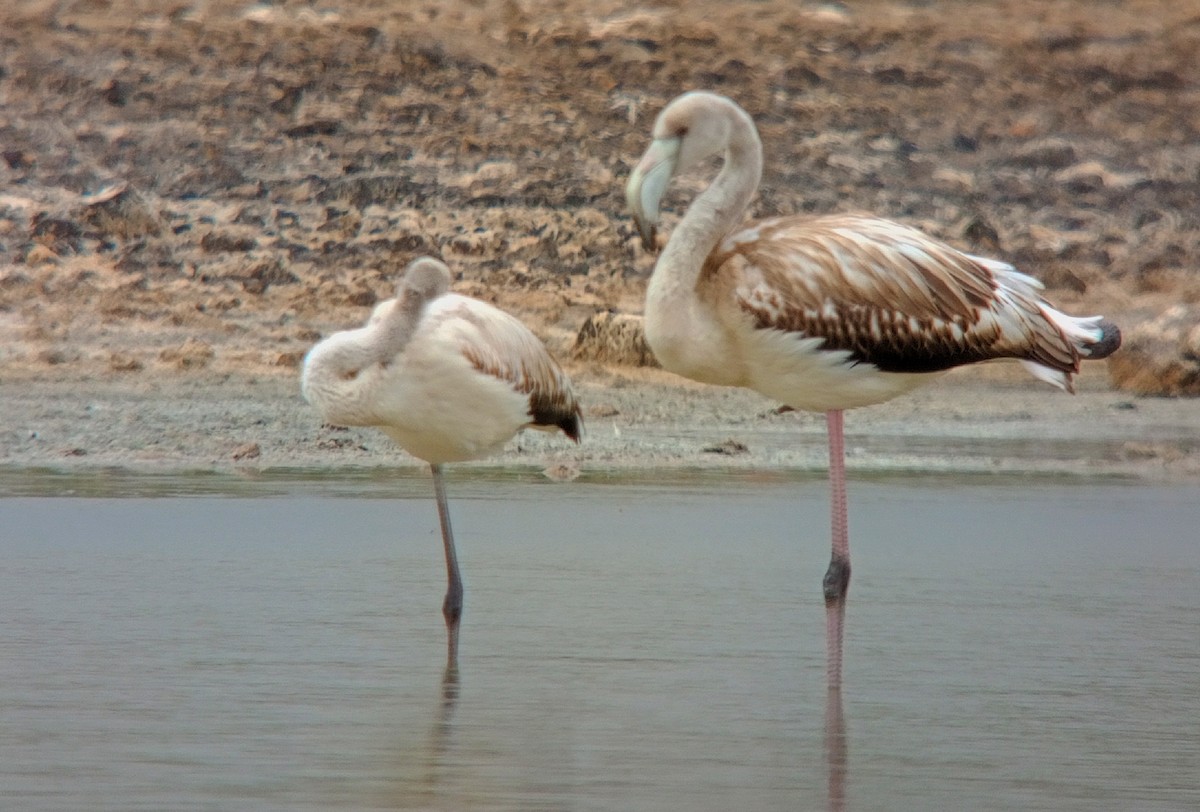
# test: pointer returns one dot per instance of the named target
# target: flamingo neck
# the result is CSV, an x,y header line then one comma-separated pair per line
x,y
681,328
716,212
338,371
397,327
330,379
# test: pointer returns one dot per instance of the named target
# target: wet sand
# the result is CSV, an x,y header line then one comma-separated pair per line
x,y
986,420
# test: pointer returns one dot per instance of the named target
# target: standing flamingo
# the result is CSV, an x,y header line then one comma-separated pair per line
x,y
447,377
825,313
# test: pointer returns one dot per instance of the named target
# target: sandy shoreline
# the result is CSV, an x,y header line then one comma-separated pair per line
x,y
638,421
192,196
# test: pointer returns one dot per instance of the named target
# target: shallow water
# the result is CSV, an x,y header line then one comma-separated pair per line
x,y
1010,645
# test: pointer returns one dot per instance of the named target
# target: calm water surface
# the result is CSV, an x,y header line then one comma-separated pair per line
x,y
1009,646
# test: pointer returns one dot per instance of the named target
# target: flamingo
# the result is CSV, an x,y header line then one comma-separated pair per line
x,y
449,378
825,313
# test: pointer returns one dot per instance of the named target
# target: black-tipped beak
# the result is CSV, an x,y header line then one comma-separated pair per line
x,y
646,186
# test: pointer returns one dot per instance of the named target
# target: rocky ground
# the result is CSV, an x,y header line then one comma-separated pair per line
x,y
192,193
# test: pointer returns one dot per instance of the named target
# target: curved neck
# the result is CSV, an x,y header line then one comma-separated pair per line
x,y
722,206
397,326
330,378
334,364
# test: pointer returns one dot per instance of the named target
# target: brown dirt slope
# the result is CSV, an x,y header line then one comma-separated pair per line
x,y
214,184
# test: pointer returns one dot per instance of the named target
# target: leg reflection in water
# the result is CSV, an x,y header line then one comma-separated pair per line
x,y
449,699
442,735
836,755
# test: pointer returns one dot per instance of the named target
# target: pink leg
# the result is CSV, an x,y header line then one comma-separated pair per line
x,y
837,578
452,606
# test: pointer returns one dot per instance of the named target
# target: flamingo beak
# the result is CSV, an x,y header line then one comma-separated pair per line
x,y
647,184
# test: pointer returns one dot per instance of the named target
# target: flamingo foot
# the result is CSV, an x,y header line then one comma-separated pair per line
x,y
836,583
836,586
452,611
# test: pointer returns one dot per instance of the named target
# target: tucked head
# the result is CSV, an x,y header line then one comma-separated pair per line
x,y
395,320
425,278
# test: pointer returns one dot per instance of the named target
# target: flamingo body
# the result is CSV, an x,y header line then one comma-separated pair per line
x,y
449,378
825,313
470,377
843,311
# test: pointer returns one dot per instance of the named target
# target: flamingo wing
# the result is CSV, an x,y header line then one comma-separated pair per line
x,y
502,347
888,295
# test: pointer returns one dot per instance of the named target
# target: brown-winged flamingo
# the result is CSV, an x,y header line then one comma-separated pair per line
x,y
824,313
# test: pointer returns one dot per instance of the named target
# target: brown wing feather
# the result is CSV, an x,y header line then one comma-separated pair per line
x,y
509,352
887,294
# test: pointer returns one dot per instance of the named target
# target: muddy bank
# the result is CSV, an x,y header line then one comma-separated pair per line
x,y
191,196
216,184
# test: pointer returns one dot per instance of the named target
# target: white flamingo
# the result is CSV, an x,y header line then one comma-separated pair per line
x,y
824,313
447,377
